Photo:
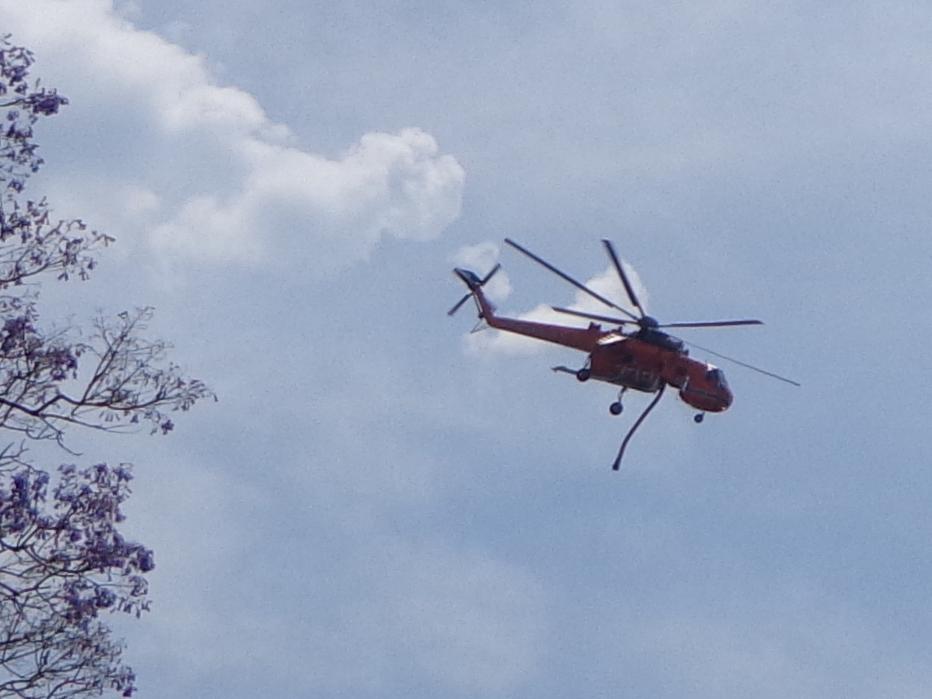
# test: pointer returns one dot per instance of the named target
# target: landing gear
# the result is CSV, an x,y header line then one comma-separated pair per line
x,y
616,407
583,374
698,417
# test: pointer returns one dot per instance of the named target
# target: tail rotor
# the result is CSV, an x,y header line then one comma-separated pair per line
x,y
472,280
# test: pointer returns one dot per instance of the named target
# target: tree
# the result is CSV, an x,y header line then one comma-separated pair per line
x,y
63,561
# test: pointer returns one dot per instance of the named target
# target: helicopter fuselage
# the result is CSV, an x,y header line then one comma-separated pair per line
x,y
646,359
642,361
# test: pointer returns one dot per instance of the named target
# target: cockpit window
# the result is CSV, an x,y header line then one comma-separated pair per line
x,y
717,378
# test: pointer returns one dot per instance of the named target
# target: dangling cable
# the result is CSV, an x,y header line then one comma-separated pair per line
x,y
637,423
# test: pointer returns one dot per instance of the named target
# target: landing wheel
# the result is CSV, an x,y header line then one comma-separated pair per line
x,y
699,417
616,408
583,374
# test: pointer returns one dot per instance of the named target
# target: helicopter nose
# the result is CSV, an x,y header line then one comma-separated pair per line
x,y
727,398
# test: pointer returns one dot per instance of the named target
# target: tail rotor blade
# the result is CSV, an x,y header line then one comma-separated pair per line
x,y
491,274
582,287
459,304
624,277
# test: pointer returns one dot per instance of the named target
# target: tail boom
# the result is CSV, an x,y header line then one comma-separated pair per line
x,y
585,339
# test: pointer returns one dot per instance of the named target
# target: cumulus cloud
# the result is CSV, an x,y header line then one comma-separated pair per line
x,y
224,182
387,184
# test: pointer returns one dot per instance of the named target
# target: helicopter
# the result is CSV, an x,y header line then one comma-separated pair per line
x,y
634,353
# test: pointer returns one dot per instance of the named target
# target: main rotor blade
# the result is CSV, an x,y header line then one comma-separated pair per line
x,y
594,316
624,277
568,278
744,364
711,324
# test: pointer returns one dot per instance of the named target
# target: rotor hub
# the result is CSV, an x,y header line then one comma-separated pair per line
x,y
648,322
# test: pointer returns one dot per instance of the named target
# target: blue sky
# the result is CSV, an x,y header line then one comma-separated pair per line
x,y
380,506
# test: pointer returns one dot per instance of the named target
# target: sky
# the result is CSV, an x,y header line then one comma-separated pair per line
x,y
383,505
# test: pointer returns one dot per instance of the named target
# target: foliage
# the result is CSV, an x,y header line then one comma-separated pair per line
x,y
63,561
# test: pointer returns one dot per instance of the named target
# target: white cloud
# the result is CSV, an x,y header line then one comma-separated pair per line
x,y
128,9
232,185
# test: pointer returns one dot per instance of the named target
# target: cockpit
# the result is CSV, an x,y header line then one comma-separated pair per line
x,y
661,339
716,377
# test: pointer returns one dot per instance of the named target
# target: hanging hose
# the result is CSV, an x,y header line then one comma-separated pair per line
x,y
637,423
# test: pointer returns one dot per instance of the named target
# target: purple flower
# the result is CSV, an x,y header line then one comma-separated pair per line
x,y
104,598
47,103
146,561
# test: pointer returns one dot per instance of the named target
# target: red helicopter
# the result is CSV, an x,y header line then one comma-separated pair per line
x,y
645,359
